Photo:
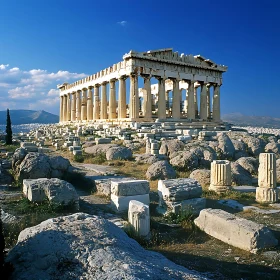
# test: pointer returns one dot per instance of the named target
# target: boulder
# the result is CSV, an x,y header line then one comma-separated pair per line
x,y
272,148
59,163
129,187
99,148
202,176
145,158
81,246
239,175
55,190
185,160
240,149
89,144
255,145
170,146
18,156
119,152
235,231
250,164
226,146
5,177
33,166
160,170
205,155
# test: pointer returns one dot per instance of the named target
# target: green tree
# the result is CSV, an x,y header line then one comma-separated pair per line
x,y
9,133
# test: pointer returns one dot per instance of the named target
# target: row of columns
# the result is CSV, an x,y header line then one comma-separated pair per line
x,y
86,105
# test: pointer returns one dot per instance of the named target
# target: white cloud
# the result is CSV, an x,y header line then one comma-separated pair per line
x,y
32,89
122,23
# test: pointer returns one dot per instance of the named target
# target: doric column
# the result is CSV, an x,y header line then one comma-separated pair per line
x,y
61,109
89,105
104,114
191,104
122,98
65,108
195,102
161,98
216,103
134,97
203,102
96,101
84,105
176,106
147,110
78,105
73,107
208,87
69,106
112,100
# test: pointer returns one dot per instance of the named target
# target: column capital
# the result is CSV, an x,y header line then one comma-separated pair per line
x,y
84,89
78,90
159,78
90,87
104,83
96,86
146,76
123,77
113,80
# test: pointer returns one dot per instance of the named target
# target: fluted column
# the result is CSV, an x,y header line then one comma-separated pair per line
x,y
176,106
122,98
84,105
112,100
148,99
89,105
69,106
267,179
195,102
220,179
73,107
104,114
191,104
216,103
203,102
61,109
208,87
65,108
96,101
161,98
78,105
134,97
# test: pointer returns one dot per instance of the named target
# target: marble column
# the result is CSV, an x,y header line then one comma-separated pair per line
x,y
96,101
161,99
89,105
69,106
61,109
176,106
122,98
195,102
112,100
216,103
134,97
104,114
65,108
84,105
78,105
208,87
203,102
191,104
148,98
73,107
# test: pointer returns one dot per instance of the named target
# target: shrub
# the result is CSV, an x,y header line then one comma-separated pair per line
x,y
79,158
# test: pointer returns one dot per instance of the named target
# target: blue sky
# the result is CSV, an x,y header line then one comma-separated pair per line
x,y
44,43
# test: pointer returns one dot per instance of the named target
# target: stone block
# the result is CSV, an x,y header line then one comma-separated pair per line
x,y
139,218
178,189
77,152
121,203
31,148
235,231
266,195
103,140
130,188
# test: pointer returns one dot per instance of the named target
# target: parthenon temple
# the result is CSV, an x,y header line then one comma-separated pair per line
x,y
182,92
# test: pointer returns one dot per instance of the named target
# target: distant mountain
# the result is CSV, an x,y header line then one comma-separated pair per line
x,y
28,116
243,120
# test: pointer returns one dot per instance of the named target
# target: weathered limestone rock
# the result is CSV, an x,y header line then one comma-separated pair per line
x,y
55,190
226,146
170,146
202,176
220,176
160,170
146,158
185,160
240,176
129,187
139,218
100,148
272,148
238,232
119,152
18,156
267,191
5,177
81,246
103,140
249,163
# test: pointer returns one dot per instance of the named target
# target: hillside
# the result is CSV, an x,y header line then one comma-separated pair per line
x,y
28,116
243,120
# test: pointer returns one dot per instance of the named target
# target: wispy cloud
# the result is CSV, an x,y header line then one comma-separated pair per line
x,y
122,23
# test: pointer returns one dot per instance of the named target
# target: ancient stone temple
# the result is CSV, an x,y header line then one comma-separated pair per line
x,y
187,90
